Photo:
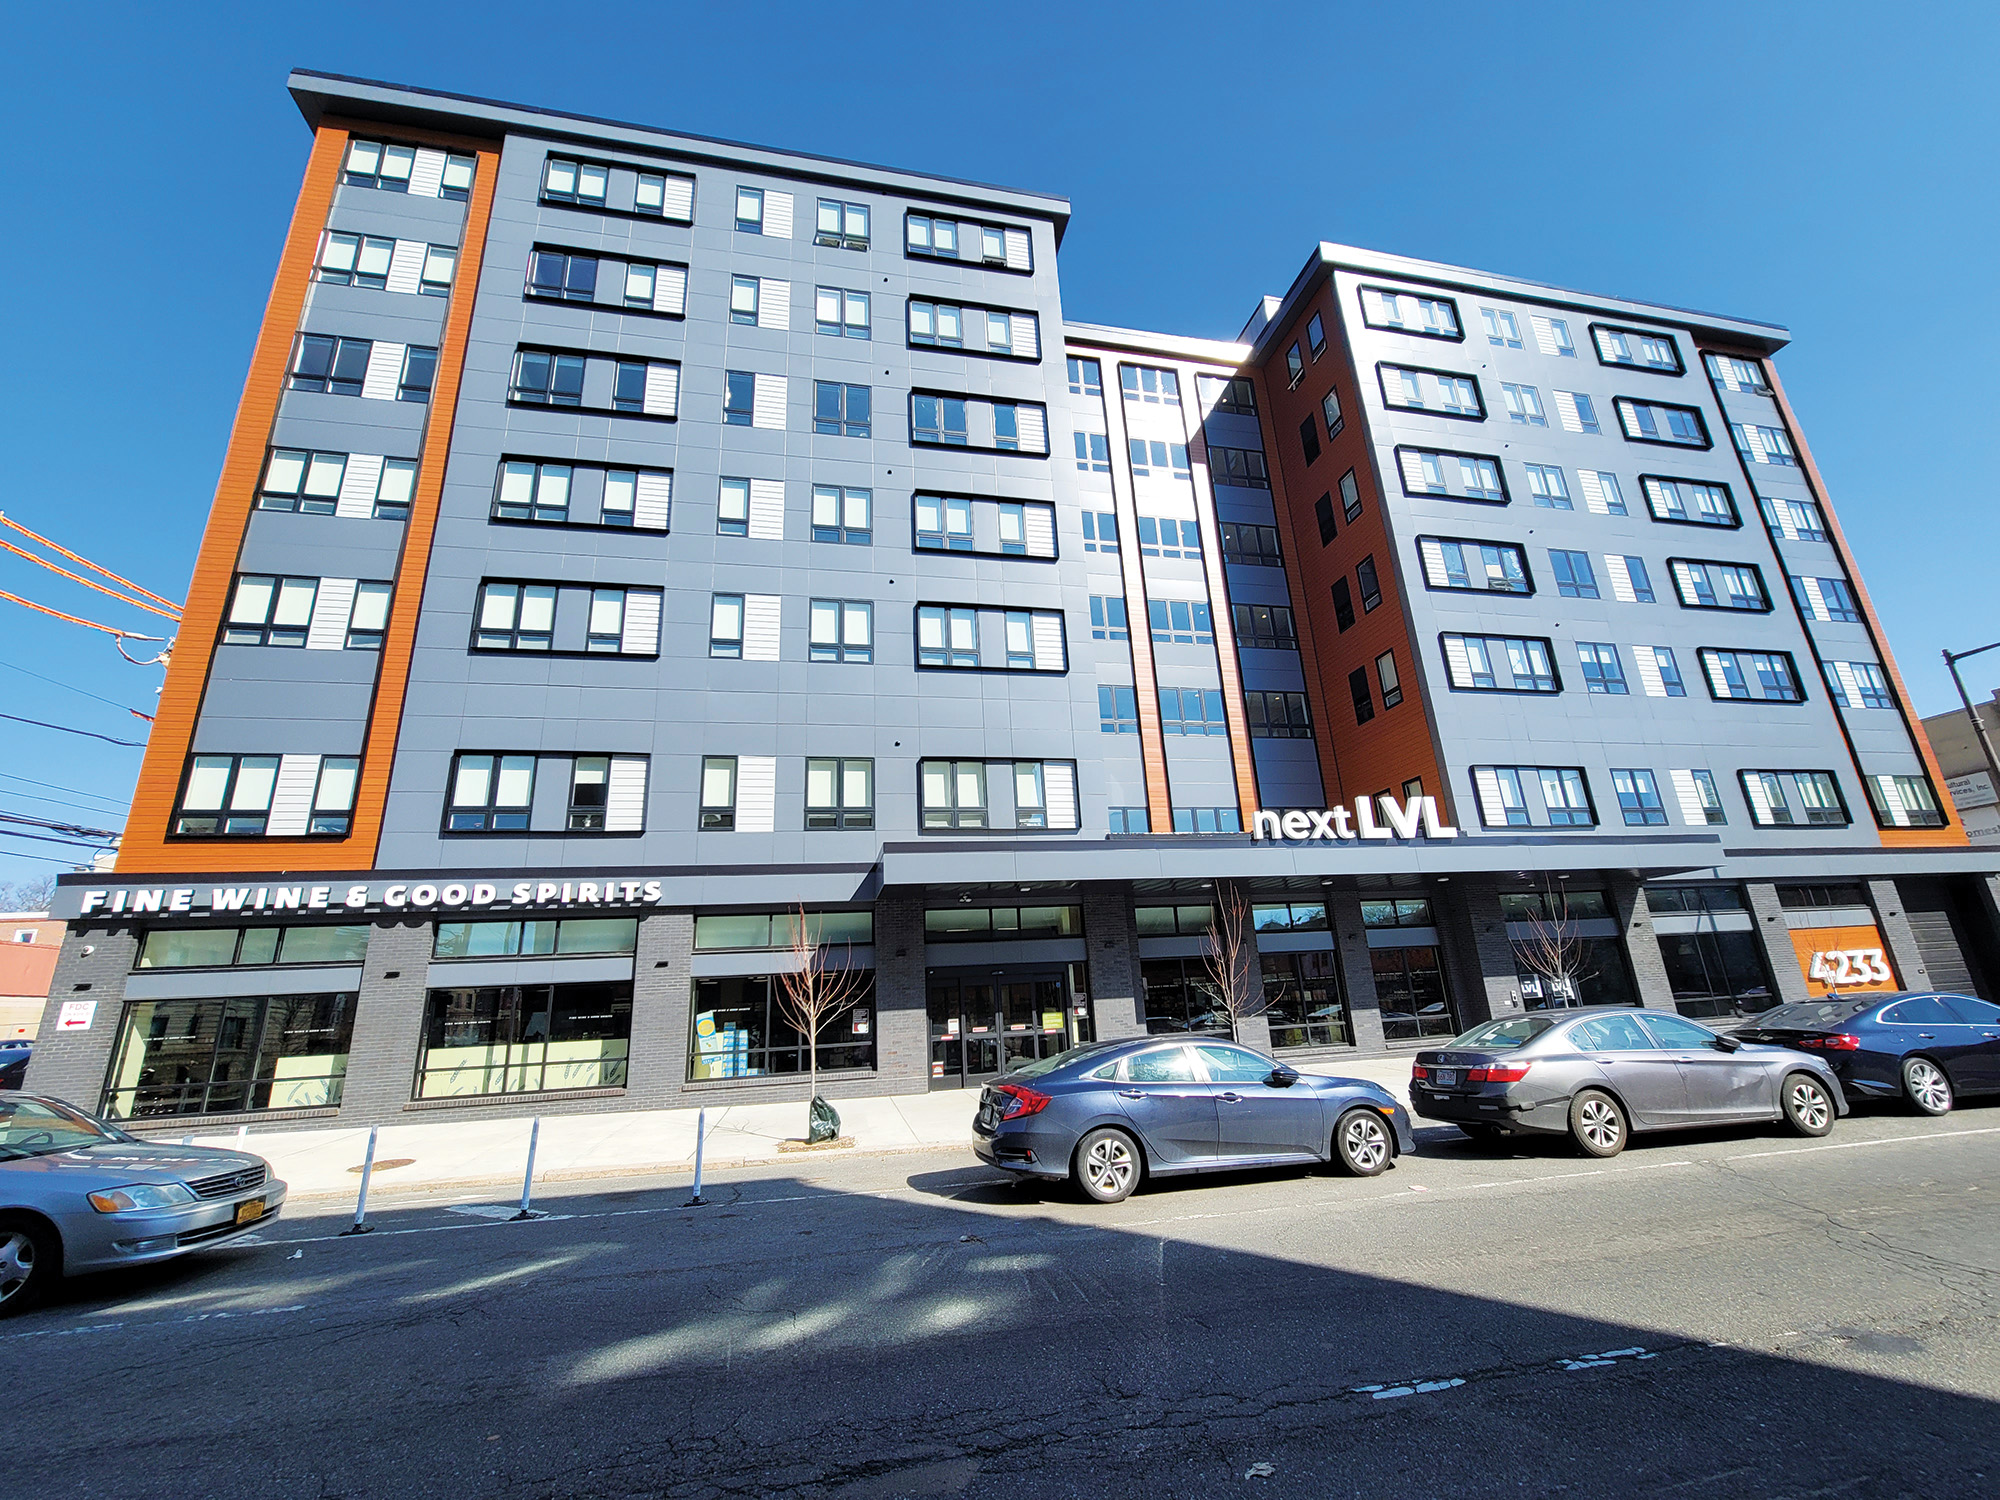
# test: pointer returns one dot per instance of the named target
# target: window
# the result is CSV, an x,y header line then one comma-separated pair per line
x,y
744,294
840,793
650,196
1636,348
1786,799
1234,397
1100,531
1904,801
1737,374
530,1038
490,793
1700,795
739,398
1391,683
718,794
1545,483
227,795
574,182
780,929
840,514
1093,452
1501,329
1482,567
1128,820
841,410
439,263
841,225
1148,386
1574,577
1207,820
1524,404
226,947
732,508
268,611
750,210
1857,684
1267,626
334,366
1552,335
947,637
297,480
1238,466
1343,603
1195,711
1566,796
740,1031
1636,581
1295,366
938,419
1602,671
1411,389
1162,536
1751,676
1638,798
1158,460
1371,590
1826,599
376,165
200,1057
1180,622
1086,378
936,325
1763,445
1357,689
725,625
1174,921
368,620
1500,664
1117,708
840,313
1316,335
1018,636
842,630
515,617
1576,411
1107,618
1278,716
944,523
1689,501
1013,518
1309,440
530,491
1656,422
923,235
1456,476
1323,512
1669,670
570,278
355,260
1257,546
1329,410
954,793
542,378
1718,585
1793,520
1426,317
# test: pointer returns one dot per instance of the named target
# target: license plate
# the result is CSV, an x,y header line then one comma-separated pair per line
x,y
246,1212
1446,1077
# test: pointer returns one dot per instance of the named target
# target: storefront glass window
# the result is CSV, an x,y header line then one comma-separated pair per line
x,y
1409,986
1402,912
524,1039
528,939
958,924
1305,1002
194,1057
1716,973
1180,995
1560,905
1594,974
222,947
740,1031
1169,921
1295,916
1695,898
778,929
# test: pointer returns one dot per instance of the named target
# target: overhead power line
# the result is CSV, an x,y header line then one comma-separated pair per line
x,y
8,833
86,562
88,583
129,635
72,687
86,733
51,786
78,829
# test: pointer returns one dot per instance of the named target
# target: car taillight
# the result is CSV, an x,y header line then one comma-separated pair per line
x,y
1498,1073
1843,1042
1021,1101
1419,1073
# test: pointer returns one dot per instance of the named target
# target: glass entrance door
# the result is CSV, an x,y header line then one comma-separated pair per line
x,y
981,1027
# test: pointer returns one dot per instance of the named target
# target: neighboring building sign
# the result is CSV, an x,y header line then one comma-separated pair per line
x,y
1844,959
1415,817
1975,790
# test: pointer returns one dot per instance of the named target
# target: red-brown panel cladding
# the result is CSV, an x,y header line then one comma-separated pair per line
x,y
1398,743
146,846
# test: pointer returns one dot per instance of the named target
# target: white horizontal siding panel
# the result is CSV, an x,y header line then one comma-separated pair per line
x,y
1693,811
767,509
1621,579
1760,804
1890,798
1032,422
1458,665
1815,597
333,605
406,266
1020,252
1059,788
677,202
1049,653
641,635
625,795
292,797
1566,412
778,215
756,790
1592,488
1606,348
1039,524
1413,472
1545,335
1027,335
760,626
385,371
1434,570
1684,581
663,390
1850,685
358,483
774,304
1717,678
1647,668
427,173
670,289
1492,811
767,406
1779,514
652,504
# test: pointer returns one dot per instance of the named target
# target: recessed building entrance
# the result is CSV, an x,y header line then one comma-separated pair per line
x,y
986,1022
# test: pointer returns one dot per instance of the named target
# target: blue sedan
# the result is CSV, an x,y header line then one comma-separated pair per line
x,y
1108,1113
1925,1047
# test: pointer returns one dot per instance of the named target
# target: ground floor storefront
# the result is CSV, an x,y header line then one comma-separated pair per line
x,y
377,1001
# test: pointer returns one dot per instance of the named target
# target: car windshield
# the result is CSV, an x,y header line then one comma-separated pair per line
x,y
1041,1065
1809,1015
1515,1031
30,1127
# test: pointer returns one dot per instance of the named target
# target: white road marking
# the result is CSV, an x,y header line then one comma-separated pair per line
x,y
1893,1140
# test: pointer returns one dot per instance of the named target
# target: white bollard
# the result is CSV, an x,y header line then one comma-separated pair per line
x,y
361,1224
242,1133
700,1135
528,1181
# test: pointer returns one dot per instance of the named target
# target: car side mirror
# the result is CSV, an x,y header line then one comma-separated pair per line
x,y
1727,1044
1282,1077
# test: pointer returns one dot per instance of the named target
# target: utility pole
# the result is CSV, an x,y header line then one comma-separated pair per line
x,y
1951,661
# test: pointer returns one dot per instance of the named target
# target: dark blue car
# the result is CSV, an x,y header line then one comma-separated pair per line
x,y
1926,1047
1108,1113
14,1064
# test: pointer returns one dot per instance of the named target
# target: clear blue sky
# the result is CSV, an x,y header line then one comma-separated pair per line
x,y
1829,167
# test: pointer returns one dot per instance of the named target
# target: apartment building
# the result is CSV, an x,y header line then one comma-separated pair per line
x,y
633,548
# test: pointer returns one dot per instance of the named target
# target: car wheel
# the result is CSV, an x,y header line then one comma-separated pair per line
x,y
1928,1089
1597,1123
1361,1143
30,1262
1808,1106
1107,1165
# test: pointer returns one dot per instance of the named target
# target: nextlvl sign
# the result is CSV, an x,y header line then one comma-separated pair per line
x,y
1414,817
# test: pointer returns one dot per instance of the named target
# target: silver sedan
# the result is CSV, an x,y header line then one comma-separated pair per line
x,y
1597,1075
77,1194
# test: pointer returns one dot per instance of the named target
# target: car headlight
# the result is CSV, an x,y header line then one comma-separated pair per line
x,y
141,1195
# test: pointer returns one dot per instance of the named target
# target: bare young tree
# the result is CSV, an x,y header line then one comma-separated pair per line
x,y
1232,961
814,992
1555,948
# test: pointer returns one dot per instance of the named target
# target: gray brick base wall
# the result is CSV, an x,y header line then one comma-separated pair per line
x,y
92,965
662,996
1642,944
1343,915
1788,980
388,1022
902,1024
1114,961
1894,924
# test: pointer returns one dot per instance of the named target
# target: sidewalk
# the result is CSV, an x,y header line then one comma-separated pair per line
x,y
493,1153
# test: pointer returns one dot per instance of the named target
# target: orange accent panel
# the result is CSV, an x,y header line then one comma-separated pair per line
x,y
1845,958
1952,835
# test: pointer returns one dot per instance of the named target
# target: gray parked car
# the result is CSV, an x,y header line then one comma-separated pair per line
x,y
1108,1113
1601,1073
77,1194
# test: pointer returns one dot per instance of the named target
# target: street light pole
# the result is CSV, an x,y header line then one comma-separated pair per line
x,y
1951,661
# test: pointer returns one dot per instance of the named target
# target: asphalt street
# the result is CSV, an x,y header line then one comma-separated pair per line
x,y
1731,1313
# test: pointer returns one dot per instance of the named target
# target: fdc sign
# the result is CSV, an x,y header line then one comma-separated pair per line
x,y
1415,817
